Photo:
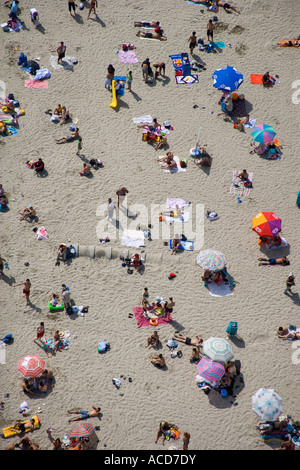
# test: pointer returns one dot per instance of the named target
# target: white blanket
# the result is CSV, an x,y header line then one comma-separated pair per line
x,y
67,63
283,244
174,170
219,291
147,119
185,218
133,238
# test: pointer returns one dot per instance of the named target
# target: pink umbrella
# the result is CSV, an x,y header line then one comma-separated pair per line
x,y
31,366
80,430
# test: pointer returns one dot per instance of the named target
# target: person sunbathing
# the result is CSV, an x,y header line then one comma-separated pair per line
x,y
21,427
161,143
154,35
54,299
259,149
170,163
157,360
197,341
3,128
28,212
28,387
273,261
175,244
86,170
227,7
293,43
62,252
207,276
84,414
284,333
275,241
146,24
244,176
69,138
152,340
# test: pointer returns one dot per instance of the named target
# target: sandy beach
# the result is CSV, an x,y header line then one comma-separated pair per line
x,y
71,206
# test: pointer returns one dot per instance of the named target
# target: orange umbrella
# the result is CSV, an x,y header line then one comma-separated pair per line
x,y
266,224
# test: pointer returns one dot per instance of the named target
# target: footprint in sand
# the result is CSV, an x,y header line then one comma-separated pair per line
x,y
241,49
237,30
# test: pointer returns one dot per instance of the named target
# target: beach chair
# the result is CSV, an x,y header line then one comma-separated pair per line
x,y
232,328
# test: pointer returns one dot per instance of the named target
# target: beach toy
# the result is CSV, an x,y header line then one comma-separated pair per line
x,y
154,321
232,328
102,347
9,431
223,393
57,308
195,152
72,128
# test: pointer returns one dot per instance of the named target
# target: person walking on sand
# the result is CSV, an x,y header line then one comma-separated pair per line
x,y
121,193
71,6
84,414
26,289
210,31
290,281
145,69
110,209
193,42
93,6
129,80
61,52
79,146
40,332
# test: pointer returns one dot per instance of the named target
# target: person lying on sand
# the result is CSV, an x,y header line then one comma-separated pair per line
x,y
284,333
70,138
273,261
21,427
197,341
84,414
159,36
146,24
227,6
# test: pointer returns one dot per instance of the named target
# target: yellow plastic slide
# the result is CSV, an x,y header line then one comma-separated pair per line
x,y
10,431
113,104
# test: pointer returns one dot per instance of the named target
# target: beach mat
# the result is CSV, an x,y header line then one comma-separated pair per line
x,y
256,78
174,170
281,44
219,44
36,84
142,321
240,191
128,57
184,245
9,431
67,63
186,80
188,2
223,290
10,131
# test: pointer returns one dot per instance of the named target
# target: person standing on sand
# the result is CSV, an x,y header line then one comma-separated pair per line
x,y
71,5
290,281
40,332
26,289
93,7
210,31
129,80
84,414
121,193
61,52
193,42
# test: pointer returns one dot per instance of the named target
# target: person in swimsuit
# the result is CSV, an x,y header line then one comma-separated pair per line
x,y
195,356
65,116
284,333
175,244
163,427
129,80
93,6
227,6
186,440
169,307
210,31
86,170
154,35
40,332
70,138
273,261
157,360
160,69
61,51
136,261
121,193
145,300
193,42
26,289
152,340
197,341
145,24
293,43
84,414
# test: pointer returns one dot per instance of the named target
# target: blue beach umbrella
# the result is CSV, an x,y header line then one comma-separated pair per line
x,y
227,78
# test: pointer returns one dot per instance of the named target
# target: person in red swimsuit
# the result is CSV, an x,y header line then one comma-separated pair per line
x,y
26,289
93,7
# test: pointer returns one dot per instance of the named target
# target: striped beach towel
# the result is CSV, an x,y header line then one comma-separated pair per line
x,y
237,188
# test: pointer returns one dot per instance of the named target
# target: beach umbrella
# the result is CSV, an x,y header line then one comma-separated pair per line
x,y
210,370
266,224
31,366
266,403
211,259
227,78
80,430
263,133
218,349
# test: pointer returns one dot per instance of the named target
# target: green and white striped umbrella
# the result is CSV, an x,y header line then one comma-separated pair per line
x,y
218,349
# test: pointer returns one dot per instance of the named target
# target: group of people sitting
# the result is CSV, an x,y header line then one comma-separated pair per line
x,y
60,112
37,385
158,32
270,150
226,383
275,241
217,276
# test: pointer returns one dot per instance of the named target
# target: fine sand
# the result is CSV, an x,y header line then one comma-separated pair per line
x,y
66,205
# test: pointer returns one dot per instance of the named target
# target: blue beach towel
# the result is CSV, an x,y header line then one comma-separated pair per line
x,y
184,245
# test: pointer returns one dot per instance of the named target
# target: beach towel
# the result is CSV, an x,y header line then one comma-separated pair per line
x,y
187,79
35,84
237,187
133,238
143,321
10,131
250,124
128,57
189,2
173,202
147,119
41,74
67,63
42,234
184,245
9,29
218,44
174,170
223,290
256,79
185,218
48,343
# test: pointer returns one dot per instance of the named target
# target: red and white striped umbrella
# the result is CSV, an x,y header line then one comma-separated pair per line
x,y
81,430
31,366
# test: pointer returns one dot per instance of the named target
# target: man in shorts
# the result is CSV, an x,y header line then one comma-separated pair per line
x,y
61,52
84,414
210,31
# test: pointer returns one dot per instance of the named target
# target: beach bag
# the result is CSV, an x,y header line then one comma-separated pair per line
x,y
11,97
69,310
8,339
183,163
